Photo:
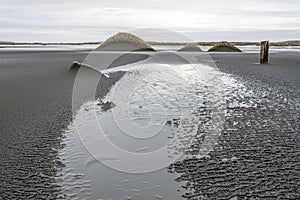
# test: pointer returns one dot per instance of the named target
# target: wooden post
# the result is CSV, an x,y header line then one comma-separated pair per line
x,y
264,52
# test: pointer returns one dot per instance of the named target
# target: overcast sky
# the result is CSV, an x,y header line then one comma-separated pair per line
x,y
74,20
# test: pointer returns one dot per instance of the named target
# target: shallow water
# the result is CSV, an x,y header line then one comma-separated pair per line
x,y
161,113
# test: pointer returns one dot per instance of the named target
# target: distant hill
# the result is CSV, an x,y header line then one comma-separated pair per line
x,y
46,43
282,43
286,43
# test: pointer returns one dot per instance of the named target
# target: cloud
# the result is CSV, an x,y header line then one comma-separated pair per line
x,y
95,20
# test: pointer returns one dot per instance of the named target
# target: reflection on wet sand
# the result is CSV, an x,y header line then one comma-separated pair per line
x,y
162,108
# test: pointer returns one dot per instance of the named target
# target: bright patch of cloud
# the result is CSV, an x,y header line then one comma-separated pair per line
x,y
96,20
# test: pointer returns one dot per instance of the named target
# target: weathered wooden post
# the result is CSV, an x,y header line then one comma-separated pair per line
x,y
264,52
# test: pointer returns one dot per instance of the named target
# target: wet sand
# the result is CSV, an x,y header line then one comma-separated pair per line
x,y
257,155
35,108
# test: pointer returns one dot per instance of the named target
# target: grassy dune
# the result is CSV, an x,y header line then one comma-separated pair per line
x,y
224,46
125,41
190,47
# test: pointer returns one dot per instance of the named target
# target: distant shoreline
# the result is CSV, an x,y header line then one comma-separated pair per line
x,y
283,43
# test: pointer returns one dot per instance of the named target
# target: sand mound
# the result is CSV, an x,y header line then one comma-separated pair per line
x,y
124,42
190,47
224,46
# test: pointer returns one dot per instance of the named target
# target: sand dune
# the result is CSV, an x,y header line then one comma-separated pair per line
x,y
224,46
190,47
125,42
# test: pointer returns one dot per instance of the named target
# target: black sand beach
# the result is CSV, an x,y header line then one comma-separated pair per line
x,y
257,155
